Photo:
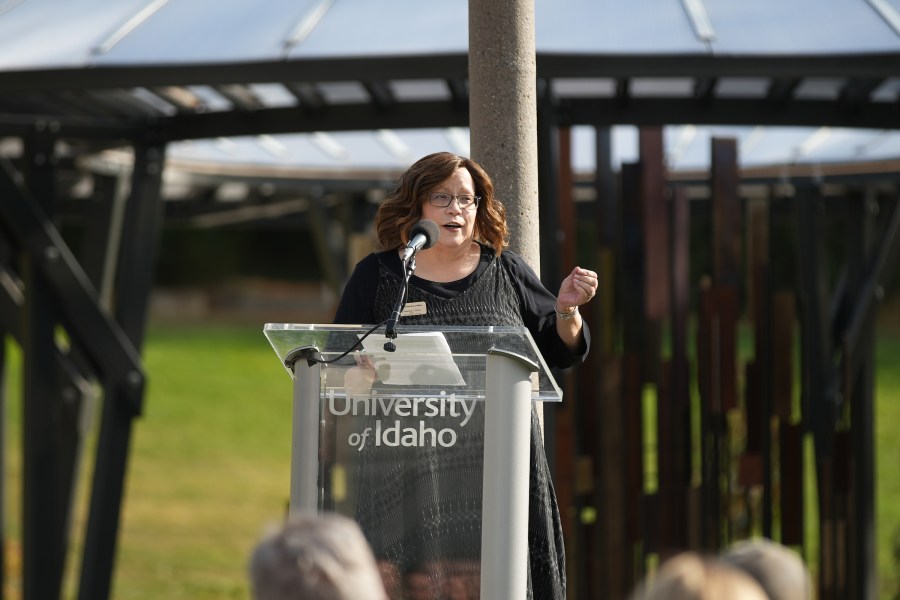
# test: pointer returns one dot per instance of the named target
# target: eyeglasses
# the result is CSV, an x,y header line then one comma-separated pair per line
x,y
443,200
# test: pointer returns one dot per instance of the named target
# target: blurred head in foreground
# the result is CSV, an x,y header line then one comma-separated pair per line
x,y
315,557
689,576
778,569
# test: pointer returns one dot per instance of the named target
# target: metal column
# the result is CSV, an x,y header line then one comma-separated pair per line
x,y
507,427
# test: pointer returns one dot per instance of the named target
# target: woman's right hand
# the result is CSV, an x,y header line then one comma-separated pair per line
x,y
358,380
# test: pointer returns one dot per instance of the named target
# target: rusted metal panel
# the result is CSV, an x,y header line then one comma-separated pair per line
x,y
567,230
612,497
791,470
784,309
717,348
728,312
727,236
679,368
681,274
757,257
655,214
754,409
672,423
750,469
566,415
632,277
634,458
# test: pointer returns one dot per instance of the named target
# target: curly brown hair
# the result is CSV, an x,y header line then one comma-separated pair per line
x,y
402,208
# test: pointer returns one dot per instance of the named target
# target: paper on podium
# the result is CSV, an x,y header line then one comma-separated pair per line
x,y
420,359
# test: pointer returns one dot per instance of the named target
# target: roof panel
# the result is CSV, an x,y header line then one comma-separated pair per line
x,y
584,87
54,33
202,31
612,26
689,147
420,89
837,145
888,91
398,27
63,33
355,150
799,27
742,87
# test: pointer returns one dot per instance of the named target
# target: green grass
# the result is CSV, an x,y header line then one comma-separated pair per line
x,y
209,465
210,462
887,460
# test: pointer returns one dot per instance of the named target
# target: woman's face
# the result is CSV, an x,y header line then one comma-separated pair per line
x,y
457,225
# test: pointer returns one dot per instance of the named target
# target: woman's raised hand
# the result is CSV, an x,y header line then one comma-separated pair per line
x,y
576,289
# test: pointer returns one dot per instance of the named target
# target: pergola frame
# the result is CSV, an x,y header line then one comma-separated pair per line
x,y
45,285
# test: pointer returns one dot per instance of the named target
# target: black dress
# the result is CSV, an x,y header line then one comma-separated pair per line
x,y
416,506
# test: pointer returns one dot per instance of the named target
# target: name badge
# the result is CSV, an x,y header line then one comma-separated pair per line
x,y
413,309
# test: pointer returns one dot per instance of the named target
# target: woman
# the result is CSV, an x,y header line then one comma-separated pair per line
x,y
466,278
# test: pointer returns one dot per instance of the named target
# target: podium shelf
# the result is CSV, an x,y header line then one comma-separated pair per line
x,y
427,362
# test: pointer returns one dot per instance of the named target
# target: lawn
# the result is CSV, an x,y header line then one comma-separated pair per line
x,y
209,466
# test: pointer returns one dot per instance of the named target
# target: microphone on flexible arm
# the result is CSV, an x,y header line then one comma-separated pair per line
x,y
422,236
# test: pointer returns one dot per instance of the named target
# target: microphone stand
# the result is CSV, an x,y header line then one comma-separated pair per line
x,y
390,330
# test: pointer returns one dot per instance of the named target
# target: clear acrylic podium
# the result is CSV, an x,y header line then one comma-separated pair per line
x,y
427,446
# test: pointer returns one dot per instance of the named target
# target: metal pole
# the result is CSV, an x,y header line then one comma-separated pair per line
x,y
507,426
305,438
503,116
503,112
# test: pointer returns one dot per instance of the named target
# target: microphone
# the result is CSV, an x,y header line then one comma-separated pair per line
x,y
422,236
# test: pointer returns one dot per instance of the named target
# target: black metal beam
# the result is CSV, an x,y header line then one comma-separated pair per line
x,y
871,65
109,350
99,225
12,298
668,111
598,112
381,94
241,96
10,304
275,70
308,94
43,516
856,92
70,126
622,97
140,241
858,384
459,91
705,89
883,266
780,90
884,64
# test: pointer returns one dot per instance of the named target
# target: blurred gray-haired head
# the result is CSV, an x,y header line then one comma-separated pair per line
x,y
778,569
693,576
315,557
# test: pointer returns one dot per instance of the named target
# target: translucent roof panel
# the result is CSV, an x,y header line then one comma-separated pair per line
x,y
52,33
773,145
209,31
611,26
799,27
888,91
398,27
363,150
77,33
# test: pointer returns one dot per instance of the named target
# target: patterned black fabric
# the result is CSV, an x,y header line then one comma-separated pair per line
x,y
422,505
